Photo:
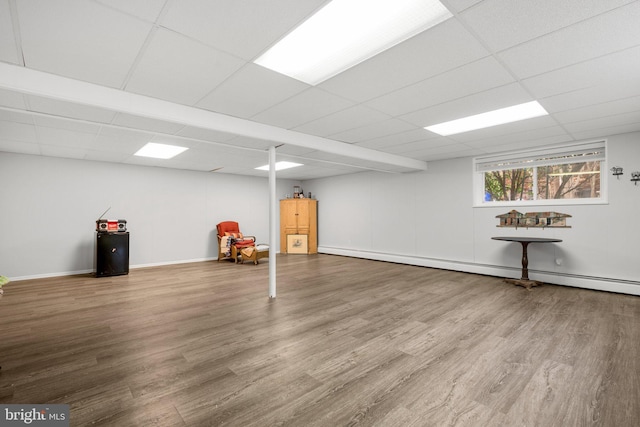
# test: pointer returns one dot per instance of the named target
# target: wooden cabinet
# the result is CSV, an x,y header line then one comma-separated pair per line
x,y
299,217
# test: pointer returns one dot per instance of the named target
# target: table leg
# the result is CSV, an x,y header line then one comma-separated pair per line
x,y
525,261
524,281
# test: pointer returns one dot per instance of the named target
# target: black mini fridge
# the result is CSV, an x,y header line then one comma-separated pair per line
x,y
112,254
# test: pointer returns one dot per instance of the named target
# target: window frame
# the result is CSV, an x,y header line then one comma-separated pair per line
x,y
522,156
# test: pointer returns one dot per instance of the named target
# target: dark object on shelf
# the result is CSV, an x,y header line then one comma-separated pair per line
x,y
112,254
108,225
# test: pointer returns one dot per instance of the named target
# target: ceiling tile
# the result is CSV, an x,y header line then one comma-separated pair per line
x,y
472,78
245,159
593,112
62,151
529,136
17,132
505,129
205,134
8,50
80,39
481,102
65,124
21,147
176,68
146,161
207,157
69,109
450,151
250,91
254,143
519,145
67,138
173,140
307,106
149,10
631,118
606,132
374,130
16,116
199,165
350,118
339,160
245,28
12,99
601,35
606,92
137,122
293,150
120,140
106,156
419,145
460,5
380,143
619,66
439,49
506,23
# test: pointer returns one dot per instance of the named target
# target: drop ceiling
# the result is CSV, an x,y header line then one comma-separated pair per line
x,y
186,66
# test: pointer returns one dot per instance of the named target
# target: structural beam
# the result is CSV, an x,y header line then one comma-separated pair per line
x,y
32,82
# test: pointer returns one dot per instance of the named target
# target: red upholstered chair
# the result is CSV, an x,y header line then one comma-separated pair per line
x,y
231,240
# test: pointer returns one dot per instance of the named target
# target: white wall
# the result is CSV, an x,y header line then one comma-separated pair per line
x,y
427,218
48,208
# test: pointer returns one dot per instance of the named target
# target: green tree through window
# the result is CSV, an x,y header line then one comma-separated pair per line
x,y
563,172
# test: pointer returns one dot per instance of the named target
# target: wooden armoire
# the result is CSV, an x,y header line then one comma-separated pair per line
x,y
299,223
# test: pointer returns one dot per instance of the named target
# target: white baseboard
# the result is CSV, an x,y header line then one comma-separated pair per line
x,y
159,264
586,282
49,275
131,267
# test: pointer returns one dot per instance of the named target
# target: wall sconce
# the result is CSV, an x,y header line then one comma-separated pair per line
x,y
617,171
635,177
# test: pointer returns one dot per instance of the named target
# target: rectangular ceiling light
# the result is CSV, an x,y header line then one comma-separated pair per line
x,y
160,151
346,32
515,113
281,166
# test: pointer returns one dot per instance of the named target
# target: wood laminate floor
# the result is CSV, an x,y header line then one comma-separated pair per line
x,y
347,342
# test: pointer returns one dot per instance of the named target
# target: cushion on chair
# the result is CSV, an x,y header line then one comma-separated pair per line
x,y
228,227
243,243
234,235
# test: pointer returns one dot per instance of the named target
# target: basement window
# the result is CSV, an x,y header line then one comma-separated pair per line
x,y
557,175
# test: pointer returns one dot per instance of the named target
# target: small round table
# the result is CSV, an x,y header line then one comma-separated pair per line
x,y
524,241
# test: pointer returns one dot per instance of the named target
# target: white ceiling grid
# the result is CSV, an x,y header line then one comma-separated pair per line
x,y
579,58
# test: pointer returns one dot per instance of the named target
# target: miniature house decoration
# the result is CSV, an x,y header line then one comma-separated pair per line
x,y
533,219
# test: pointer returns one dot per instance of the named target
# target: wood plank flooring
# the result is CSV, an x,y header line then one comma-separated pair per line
x,y
347,342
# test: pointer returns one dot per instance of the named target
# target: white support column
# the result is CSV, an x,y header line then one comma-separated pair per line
x,y
273,229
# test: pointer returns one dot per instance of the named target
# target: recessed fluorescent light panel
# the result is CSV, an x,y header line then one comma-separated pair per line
x,y
346,32
515,113
281,166
159,151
